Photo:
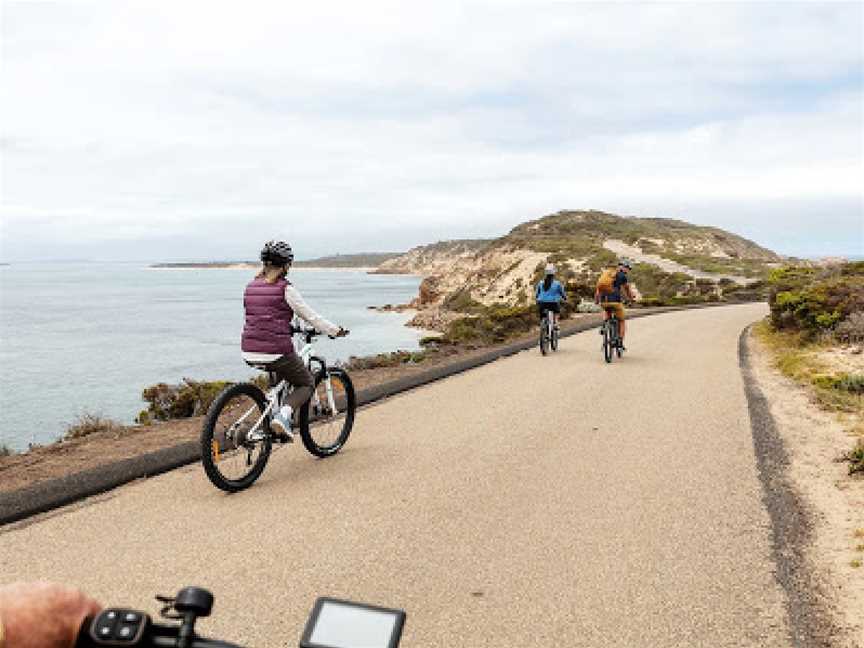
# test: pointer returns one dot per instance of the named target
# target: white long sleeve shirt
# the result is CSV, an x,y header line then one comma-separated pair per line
x,y
302,310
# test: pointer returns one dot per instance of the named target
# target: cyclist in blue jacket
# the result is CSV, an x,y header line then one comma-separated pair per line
x,y
550,294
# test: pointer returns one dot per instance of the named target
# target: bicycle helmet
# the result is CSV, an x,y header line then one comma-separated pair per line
x,y
625,263
277,253
550,269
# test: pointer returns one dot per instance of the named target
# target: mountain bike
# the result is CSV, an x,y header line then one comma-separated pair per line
x,y
548,333
611,338
236,440
333,623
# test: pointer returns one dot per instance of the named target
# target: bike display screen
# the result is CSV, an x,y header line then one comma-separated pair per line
x,y
343,624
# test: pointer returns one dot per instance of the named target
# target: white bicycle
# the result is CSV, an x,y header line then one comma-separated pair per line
x,y
236,440
548,332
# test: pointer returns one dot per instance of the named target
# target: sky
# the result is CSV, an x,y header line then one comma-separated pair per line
x,y
166,130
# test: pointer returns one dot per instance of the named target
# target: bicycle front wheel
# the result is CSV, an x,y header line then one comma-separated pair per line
x,y
235,444
327,418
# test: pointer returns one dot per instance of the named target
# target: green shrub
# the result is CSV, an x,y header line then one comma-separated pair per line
x,y
654,283
462,302
190,398
815,300
495,324
6,451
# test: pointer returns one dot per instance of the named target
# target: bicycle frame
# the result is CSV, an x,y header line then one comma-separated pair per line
x,y
274,394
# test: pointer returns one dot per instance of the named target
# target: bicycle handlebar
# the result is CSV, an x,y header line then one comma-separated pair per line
x,y
114,627
310,332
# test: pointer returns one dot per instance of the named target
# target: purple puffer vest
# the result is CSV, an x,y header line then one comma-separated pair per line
x,y
268,318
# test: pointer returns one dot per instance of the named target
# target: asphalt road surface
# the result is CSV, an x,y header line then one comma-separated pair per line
x,y
535,501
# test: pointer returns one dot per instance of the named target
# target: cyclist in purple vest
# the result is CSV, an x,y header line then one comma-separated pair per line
x,y
271,303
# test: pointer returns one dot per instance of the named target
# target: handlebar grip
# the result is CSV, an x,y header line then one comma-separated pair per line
x,y
83,640
153,636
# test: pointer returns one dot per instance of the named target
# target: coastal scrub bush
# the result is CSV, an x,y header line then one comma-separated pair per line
x,y
462,302
495,324
87,424
653,282
814,300
189,398
5,450
851,329
393,359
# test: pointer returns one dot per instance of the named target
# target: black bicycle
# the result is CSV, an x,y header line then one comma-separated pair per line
x,y
236,439
612,343
333,623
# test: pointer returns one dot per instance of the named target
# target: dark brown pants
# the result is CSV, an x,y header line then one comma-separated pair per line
x,y
291,368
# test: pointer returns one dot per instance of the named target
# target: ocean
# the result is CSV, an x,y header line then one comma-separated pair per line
x,y
89,337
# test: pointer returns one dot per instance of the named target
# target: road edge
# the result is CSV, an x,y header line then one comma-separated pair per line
x,y
40,498
810,624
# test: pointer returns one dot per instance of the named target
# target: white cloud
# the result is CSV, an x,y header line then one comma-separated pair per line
x,y
192,120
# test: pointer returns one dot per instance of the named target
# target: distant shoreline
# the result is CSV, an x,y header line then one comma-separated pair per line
x,y
363,262
256,266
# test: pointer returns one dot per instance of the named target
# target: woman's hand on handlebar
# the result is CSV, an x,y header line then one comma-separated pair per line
x,y
43,615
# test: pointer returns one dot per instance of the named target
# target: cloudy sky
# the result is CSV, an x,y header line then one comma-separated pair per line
x,y
195,130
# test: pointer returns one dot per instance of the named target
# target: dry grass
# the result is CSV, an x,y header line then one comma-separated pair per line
x,y
87,424
806,362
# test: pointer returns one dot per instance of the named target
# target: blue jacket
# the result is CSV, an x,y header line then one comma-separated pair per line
x,y
554,294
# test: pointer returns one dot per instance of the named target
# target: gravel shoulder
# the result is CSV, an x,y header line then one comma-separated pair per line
x,y
832,500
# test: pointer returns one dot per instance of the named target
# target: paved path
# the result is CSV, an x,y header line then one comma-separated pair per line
x,y
532,502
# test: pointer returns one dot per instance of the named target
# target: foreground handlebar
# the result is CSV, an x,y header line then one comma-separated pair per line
x,y
114,627
98,632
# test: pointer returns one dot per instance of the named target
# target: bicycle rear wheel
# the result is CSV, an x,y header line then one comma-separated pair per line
x,y
607,341
325,423
544,335
232,457
554,339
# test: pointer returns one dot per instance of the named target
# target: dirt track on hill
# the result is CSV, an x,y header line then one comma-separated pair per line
x,y
535,501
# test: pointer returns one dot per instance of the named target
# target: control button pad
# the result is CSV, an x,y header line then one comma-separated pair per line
x,y
119,627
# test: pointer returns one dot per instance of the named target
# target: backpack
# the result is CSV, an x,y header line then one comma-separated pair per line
x,y
606,282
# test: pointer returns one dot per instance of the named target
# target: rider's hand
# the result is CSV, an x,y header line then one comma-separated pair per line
x,y
43,615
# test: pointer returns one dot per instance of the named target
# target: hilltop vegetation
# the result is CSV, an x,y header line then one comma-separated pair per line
x,y
676,262
364,260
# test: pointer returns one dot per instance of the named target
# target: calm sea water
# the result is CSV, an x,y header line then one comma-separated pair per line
x,y
89,337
